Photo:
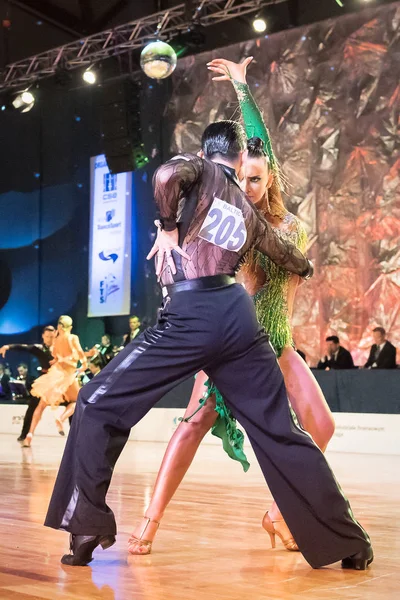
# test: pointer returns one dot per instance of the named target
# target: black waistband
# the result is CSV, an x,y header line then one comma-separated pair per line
x,y
202,283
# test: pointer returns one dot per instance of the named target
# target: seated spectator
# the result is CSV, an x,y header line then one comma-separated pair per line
x,y
337,357
25,381
94,367
104,350
382,354
5,390
135,329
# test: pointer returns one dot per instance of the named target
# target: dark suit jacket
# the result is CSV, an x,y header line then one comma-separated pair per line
x,y
128,335
344,361
5,391
386,358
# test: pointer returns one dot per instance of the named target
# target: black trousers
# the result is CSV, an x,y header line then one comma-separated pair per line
x,y
32,405
215,330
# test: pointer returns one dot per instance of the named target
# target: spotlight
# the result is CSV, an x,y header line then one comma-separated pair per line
x,y
24,101
259,25
89,76
28,98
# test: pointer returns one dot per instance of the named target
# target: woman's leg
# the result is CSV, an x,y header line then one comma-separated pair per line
x,y
306,398
70,396
177,459
37,415
312,411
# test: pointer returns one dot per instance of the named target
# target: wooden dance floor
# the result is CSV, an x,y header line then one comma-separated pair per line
x,y
210,544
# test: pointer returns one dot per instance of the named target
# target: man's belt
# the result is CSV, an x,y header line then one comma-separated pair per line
x,y
202,283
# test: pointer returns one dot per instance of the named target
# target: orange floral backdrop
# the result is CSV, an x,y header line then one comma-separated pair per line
x,y
330,94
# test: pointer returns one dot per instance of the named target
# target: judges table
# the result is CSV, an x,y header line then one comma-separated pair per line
x,y
349,391
361,390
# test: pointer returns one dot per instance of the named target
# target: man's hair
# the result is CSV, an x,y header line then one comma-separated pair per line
x,y
332,338
49,328
22,365
224,138
380,329
97,362
134,317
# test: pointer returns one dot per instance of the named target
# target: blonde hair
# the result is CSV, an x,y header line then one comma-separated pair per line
x,y
273,201
65,321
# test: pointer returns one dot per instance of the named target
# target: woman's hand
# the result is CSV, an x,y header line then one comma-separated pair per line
x,y
228,70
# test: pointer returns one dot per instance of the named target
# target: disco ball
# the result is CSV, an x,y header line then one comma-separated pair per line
x,y
158,60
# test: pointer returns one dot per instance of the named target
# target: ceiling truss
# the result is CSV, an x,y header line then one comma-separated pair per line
x,y
124,38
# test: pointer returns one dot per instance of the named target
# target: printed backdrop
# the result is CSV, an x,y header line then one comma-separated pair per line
x,y
330,94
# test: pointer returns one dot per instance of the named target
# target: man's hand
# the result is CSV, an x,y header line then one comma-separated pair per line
x,y
3,350
166,241
229,70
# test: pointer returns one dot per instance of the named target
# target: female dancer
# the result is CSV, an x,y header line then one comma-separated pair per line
x,y
60,383
274,305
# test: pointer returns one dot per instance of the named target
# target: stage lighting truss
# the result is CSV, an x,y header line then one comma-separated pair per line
x,y
125,38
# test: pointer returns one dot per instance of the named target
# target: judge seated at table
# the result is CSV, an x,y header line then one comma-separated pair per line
x,y
336,357
382,354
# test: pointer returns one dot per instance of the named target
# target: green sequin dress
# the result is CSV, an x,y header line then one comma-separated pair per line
x,y
271,301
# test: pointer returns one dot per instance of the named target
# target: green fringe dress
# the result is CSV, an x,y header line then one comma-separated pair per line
x,y
271,301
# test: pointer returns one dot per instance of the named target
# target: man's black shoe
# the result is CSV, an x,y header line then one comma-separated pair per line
x,y
359,561
82,546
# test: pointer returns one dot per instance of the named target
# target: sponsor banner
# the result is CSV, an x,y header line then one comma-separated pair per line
x,y
12,418
110,241
355,432
366,433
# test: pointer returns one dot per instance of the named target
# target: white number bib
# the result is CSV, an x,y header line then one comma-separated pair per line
x,y
224,226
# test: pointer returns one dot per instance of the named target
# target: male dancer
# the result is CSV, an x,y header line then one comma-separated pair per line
x,y
43,353
207,322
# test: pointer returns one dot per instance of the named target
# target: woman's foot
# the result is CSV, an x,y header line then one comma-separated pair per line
x,y
28,441
142,538
60,427
278,527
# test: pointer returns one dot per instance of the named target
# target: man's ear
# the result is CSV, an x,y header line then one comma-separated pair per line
x,y
243,157
200,154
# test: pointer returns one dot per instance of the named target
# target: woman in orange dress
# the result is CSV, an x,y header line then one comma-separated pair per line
x,y
60,383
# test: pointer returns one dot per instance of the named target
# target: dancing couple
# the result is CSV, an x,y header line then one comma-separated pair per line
x,y
208,323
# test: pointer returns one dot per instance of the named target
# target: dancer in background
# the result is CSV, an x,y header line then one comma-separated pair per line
x,y
60,383
274,291
43,354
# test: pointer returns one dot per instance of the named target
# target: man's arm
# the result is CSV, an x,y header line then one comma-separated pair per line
x,y
34,349
348,360
283,253
323,363
170,182
371,358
